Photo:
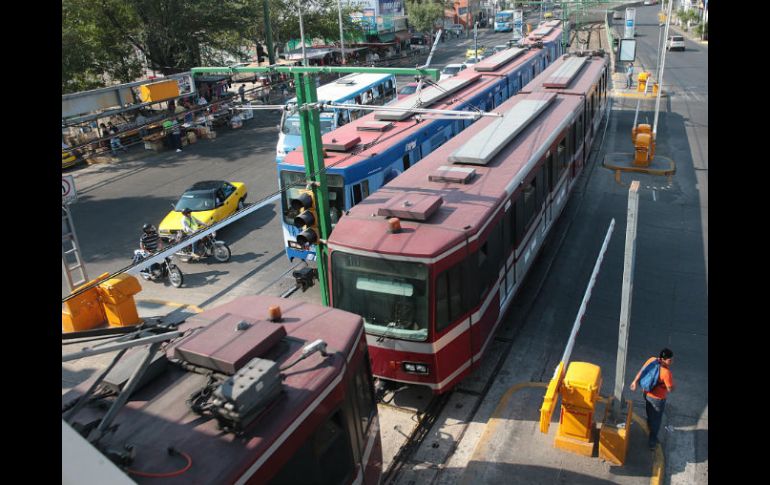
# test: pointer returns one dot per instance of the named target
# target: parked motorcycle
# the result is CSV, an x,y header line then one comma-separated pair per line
x,y
156,271
205,247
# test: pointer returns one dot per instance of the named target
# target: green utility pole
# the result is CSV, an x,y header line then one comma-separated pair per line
x,y
268,33
311,135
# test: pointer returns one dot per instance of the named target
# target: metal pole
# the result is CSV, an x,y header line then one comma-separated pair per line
x,y
302,33
625,302
401,71
88,352
475,42
268,33
342,40
660,75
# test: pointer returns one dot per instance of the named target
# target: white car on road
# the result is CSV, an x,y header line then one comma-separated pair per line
x,y
451,70
675,42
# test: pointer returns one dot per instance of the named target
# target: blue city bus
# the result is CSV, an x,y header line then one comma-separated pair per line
x,y
504,21
358,88
369,152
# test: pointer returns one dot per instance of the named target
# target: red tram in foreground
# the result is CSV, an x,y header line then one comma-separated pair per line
x,y
243,399
433,259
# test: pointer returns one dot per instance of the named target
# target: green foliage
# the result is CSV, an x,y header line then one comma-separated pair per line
x,y
106,41
424,14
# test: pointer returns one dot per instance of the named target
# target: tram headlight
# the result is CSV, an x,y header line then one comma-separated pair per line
x,y
416,368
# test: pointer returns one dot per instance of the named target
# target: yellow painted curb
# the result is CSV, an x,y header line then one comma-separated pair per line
x,y
658,464
194,308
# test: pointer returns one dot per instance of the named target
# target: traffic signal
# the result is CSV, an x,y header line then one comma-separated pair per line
x,y
307,218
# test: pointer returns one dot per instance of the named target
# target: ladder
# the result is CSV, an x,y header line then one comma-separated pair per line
x,y
72,263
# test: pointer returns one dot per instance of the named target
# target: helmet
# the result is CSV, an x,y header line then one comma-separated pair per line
x,y
147,227
186,211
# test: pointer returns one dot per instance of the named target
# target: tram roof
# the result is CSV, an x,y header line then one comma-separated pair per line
x,y
374,142
466,207
560,69
157,416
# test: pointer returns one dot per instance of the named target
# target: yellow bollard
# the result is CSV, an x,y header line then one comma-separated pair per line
x,y
613,440
642,81
579,394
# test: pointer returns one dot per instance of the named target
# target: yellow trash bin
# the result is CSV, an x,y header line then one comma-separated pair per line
x,y
580,390
117,296
84,311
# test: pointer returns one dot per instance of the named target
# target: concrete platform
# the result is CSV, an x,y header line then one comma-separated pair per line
x,y
512,449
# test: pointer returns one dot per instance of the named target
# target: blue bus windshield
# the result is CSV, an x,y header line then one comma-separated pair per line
x,y
503,17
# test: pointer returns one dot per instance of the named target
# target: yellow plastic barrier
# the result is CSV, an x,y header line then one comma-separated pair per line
x,y
84,311
117,295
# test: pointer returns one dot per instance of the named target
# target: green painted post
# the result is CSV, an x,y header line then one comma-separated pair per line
x,y
310,127
268,33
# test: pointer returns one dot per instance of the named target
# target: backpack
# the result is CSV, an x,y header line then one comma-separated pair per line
x,y
649,376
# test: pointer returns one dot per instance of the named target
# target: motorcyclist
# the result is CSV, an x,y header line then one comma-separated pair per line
x,y
149,241
190,224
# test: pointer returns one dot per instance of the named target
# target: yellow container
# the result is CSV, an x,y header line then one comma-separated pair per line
x,y
582,384
118,300
159,91
83,312
122,314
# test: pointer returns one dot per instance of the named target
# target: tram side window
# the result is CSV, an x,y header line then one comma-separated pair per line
x,y
450,303
490,259
562,155
325,458
525,211
572,141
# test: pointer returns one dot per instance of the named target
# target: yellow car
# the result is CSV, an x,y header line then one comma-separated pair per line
x,y
548,15
210,201
469,54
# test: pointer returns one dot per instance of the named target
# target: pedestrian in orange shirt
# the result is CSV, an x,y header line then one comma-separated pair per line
x,y
655,400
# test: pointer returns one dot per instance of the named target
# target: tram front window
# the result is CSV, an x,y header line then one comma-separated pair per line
x,y
391,296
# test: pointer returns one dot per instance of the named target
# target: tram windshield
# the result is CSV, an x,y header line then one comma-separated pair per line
x,y
391,296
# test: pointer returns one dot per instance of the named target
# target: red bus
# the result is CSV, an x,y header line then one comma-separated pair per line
x,y
241,398
473,215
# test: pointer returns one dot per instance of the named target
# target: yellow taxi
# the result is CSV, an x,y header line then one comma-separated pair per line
x,y
69,157
210,201
548,15
469,54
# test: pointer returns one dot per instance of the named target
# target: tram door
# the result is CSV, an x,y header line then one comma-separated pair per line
x,y
411,154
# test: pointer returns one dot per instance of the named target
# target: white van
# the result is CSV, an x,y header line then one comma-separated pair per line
x,y
675,42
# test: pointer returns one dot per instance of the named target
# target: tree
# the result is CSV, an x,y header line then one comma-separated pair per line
x,y
113,40
424,14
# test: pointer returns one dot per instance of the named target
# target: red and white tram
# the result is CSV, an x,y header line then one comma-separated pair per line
x,y
243,398
472,215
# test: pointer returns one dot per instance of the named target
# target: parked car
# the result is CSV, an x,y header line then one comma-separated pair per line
x,y
675,42
455,29
470,62
451,70
650,2
498,48
419,43
617,15
407,90
210,201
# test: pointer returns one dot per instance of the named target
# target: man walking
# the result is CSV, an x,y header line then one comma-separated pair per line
x,y
655,398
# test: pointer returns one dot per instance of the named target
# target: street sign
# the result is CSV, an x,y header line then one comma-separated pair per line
x,y
68,192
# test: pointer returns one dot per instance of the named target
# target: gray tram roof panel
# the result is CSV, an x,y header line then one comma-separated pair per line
x,y
494,62
412,206
564,75
542,31
458,175
428,96
483,147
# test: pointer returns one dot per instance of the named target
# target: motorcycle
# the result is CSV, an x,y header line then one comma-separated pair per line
x,y
205,247
157,271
